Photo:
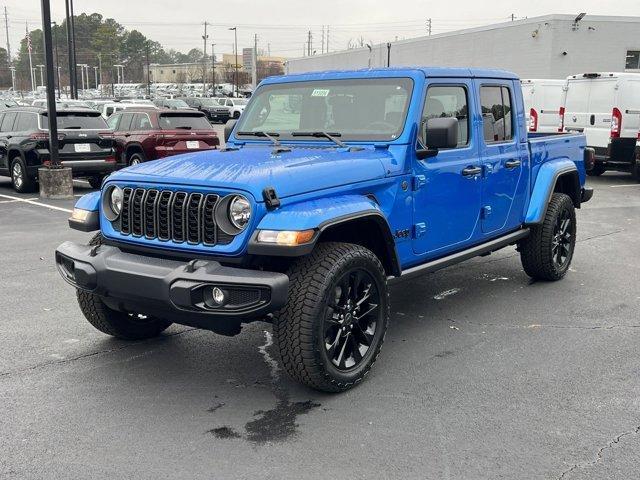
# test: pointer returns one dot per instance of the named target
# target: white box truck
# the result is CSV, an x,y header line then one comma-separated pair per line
x,y
606,107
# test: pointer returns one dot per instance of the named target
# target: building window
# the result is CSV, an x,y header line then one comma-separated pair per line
x,y
633,60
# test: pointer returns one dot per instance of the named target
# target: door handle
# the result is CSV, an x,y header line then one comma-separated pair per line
x,y
471,171
127,134
510,164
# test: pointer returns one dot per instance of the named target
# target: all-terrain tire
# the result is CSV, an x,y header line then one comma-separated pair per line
x,y
298,327
537,250
112,322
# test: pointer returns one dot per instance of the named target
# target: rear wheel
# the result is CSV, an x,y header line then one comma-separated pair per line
x,y
547,252
126,326
95,181
597,170
635,169
331,330
136,159
21,181
236,115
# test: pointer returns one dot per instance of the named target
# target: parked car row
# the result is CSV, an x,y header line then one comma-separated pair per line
x,y
603,106
93,147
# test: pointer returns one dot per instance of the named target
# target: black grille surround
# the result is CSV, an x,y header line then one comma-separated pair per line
x,y
169,215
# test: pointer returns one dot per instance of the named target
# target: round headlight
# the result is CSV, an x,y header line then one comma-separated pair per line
x,y
115,200
239,212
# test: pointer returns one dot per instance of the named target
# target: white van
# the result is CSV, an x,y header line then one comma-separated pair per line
x,y
543,99
606,107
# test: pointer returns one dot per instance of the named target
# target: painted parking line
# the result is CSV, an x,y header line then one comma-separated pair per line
x,y
37,204
629,185
19,200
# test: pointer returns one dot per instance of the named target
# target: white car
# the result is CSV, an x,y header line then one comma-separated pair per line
x,y
236,105
109,109
606,107
543,100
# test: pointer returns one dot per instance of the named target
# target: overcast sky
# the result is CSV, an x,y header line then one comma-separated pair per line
x,y
282,24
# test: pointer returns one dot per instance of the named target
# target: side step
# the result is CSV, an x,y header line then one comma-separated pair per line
x,y
434,265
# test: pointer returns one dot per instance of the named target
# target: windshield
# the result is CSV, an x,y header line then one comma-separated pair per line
x,y
240,101
358,109
176,104
76,120
209,102
186,122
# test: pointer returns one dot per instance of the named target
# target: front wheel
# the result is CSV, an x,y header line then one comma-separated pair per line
x,y
126,326
547,252
331,330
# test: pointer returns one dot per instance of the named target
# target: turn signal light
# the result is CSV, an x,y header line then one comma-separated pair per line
x,y
285,237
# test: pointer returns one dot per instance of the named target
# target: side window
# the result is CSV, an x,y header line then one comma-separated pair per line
x,y
7,122
496,114
26,122
125,122
1,119
108,111
447,101
141,122
112,121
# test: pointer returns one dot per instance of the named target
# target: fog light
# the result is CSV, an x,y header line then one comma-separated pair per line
x,y
218,295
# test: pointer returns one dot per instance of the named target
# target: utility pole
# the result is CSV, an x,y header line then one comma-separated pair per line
x,y
254,63
309,40
95,73
29,48
322,49
205,37
71,52
6,29
13,77
513,17
73,48
429,26
41,67
100,66
388,54
148,73
213,68
327,38
235,36
51,98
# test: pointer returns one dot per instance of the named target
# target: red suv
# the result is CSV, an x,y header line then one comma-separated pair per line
x,y
149,134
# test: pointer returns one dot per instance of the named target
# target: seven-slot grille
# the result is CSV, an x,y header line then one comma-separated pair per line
x,y
168,215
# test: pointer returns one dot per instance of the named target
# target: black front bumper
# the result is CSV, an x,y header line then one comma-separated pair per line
x,y
174,290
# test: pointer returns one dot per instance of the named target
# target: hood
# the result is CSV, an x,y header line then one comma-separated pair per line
x,y
252,168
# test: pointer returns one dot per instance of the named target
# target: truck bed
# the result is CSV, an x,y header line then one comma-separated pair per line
x,y
545,147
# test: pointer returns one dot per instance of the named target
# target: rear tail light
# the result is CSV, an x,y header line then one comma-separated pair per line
x,y
589,158
616,123
561,120
110,159
39,136
533,120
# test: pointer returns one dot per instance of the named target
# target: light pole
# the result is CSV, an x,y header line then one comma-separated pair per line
x,y
213,69
205,37
235,75
95,71
81,74
55,44
13,77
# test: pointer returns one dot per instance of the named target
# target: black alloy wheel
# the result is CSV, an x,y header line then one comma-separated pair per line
x,y
351,319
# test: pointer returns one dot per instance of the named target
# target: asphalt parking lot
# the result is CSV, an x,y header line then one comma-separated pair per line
x,y
484,374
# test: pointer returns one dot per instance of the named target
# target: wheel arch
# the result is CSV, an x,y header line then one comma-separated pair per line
x,y
132,148
560,176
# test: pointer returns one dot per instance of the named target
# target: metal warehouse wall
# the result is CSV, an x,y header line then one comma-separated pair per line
x,y
532,48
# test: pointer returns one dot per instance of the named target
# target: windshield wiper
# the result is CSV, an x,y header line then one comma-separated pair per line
x,y
331,136
271,136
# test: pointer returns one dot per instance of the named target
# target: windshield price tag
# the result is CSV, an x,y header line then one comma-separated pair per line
x,y
320,92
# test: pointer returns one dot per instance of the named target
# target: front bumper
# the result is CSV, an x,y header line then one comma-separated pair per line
x,y
174,290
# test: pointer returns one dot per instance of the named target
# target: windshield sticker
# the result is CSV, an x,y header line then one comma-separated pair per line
x,y
320,92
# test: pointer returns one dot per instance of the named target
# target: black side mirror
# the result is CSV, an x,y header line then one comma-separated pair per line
x,y
439,133
228,128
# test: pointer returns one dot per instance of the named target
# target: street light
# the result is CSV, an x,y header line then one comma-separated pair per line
x,y
235,75
41,67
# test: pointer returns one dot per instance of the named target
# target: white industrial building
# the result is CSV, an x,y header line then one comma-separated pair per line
x,y
551,46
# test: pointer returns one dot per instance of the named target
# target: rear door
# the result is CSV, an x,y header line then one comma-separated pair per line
x,y
549,97
602,99
447,187
504,154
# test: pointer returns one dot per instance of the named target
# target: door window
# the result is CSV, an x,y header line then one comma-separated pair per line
x,y
112,121
26,122
141,122
496,113
7,122
447,101
125,122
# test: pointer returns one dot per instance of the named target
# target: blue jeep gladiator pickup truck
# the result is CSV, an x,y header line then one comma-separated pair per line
x,y
331,185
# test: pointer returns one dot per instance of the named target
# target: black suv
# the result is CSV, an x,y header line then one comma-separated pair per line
x,y
85,144
211,108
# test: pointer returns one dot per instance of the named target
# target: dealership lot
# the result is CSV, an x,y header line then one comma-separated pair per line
x,y
483,375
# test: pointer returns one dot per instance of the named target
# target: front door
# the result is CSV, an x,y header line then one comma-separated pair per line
x,y
447,187
504,159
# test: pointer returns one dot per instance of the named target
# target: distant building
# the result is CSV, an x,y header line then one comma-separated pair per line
x,y
551,46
